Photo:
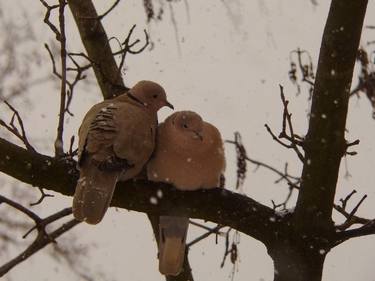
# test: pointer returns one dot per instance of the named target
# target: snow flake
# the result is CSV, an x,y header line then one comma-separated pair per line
x,y
153,200
159,193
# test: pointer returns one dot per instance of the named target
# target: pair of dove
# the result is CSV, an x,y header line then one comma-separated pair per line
x,y
120,136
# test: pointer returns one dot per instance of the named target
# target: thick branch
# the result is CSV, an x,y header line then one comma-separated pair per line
x,y
325,142
96,43
231,209
367,229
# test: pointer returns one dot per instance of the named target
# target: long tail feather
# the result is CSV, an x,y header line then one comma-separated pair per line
x,y
93,193
172,231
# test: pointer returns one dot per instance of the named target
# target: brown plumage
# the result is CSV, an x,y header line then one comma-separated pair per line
x,y
116,139
189,154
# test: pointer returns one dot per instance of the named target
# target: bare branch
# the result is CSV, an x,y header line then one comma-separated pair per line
x,y
78,77
43,238
43,195
61,176
306,70
210,231
21,208
294,140
351,218
109,10
275,138
98,49
128,47
47,16
231,249
291,180
13,128
59,145
367,229
39,243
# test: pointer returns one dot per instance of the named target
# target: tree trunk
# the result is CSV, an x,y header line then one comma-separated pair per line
x,y
325,143
295,264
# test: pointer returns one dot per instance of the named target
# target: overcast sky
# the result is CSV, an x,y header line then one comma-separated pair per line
x,y
225,62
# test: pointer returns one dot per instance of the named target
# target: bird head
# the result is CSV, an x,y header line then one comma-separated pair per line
x,y
189,123
150,94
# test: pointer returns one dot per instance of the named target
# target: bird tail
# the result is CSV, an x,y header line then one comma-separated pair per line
x,y
93,193
172,232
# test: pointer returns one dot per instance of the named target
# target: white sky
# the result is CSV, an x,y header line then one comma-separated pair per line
x,y
231,61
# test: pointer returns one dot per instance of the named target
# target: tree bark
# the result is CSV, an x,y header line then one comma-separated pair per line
x,y
96,43
325,142
60,175
296,265
299,256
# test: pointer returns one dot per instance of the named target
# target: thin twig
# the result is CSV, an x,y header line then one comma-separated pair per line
x,y
109,10
351,218
13,128
295,141
20,208
275,138
306,70
43,238
52,218
39,243
288,117
214,230
59,145
127,47
43,195
292,181
47,16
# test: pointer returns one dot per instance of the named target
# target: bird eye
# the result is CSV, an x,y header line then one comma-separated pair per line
x,y
185,126
155,96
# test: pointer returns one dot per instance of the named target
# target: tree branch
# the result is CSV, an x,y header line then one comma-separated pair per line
x,y
43,237
367,229
59,145
95,40
60,175
13,128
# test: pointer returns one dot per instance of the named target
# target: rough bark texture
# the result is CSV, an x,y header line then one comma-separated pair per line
x,y
95,40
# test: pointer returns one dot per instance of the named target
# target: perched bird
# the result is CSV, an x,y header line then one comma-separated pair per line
x,y
189,154
116,139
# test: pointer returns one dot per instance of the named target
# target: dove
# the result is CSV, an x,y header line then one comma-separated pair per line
x,y
116,139
189,154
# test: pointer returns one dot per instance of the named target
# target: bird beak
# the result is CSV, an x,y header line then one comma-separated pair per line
x,y
167,103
